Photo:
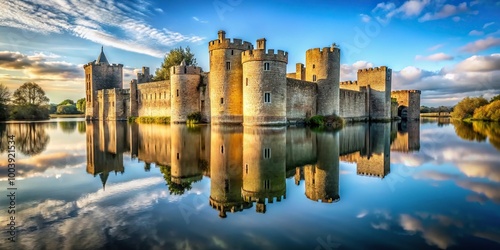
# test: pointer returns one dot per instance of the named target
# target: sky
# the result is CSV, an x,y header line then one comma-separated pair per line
x,y
447,49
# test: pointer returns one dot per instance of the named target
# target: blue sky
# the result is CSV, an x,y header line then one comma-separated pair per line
x,y
447,49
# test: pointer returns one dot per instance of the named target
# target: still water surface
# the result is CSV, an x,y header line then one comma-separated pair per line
x,y
112,185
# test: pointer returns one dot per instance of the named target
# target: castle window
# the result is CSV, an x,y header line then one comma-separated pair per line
x,y
246,81
226,185
222,149
185,70
178,156
267,153
246,168
314,78
267,184
228,65
267,97
314,66
232,52
222,101
177,92
174,70
266,66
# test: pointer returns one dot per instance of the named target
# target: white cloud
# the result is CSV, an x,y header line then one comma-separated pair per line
x,y
456,18
481,44
446,11
94,21
435,47
408,9
199,20
486,25
476,33
480,63
435,57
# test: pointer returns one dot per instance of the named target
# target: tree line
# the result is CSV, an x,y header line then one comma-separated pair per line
x,y
29,102
477,108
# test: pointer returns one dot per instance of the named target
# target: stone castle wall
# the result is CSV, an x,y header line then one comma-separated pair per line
x,y
354,106
300,99
409,99
154,99
378,83
100,76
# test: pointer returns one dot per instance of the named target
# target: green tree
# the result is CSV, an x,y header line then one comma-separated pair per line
x,y
4,101
424,109
80,105
67,109
466,107
489,112
495,98
52,108
30,103
67,101
30,94
173,58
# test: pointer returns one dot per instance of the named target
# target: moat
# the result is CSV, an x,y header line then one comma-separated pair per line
x,y
432,184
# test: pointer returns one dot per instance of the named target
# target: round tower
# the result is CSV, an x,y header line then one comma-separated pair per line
x,y
226,74
323,67
264,85
226,157
264,165
184,81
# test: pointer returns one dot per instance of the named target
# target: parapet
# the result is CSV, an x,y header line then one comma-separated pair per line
x,y
407,91
185,70
349,83
261,55
224,43
323,51
382,68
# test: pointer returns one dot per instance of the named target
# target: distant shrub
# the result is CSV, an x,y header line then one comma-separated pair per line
x,y
316,121
489,112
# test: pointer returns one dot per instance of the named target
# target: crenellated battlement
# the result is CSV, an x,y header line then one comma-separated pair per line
x,y
185,70
407,91
261,55
375,69
349,83
323,51
225,43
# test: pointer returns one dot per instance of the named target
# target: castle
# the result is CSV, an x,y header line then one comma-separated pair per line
x,y
248,86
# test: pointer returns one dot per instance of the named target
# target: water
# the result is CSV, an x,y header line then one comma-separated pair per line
x,y
112,185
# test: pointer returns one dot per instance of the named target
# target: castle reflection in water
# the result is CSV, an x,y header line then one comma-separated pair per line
x,y
249,165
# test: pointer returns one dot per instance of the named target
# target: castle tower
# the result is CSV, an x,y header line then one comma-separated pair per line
x,y
409,100
323,67
144,76
264,85
226,177
378,83
226,74
99,74
184,80
322,179
264,165
185,155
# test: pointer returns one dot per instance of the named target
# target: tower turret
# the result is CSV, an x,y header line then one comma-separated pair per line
x,y
184,80
264,85
226,74
323,67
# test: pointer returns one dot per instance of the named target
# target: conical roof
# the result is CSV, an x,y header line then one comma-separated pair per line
x,y
102,58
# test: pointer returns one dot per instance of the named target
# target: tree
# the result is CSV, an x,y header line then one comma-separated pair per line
x,y
30,103
67,101
67,109
80,105
495,98
4,101
173,58
30,94
424,109
466,107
